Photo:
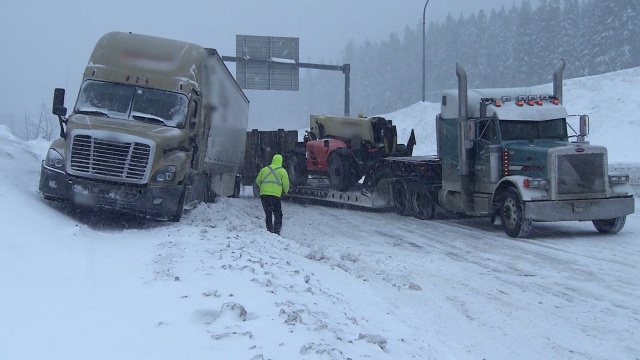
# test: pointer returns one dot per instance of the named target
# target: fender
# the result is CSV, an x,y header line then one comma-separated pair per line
x,y
526,194
318,153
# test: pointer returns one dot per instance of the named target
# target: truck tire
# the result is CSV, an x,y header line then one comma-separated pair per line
x,y
341,171
512,215
401,197
610,226
175,217
296,166
421,204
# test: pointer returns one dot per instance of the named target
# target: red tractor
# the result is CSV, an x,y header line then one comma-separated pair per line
x,y
343,149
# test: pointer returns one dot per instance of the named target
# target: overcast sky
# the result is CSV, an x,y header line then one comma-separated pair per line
x,y
46,44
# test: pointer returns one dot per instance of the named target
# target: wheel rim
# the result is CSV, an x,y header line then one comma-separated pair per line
x,y
510,213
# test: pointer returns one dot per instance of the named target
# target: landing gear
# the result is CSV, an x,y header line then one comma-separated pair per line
x,y
236,187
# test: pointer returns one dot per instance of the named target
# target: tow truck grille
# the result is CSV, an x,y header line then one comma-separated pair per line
x,y
109,159
581,174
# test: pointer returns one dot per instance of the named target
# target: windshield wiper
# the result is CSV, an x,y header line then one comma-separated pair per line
x,y
149,119
92,112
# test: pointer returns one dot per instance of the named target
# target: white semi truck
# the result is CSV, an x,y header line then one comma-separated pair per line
x,y
158,125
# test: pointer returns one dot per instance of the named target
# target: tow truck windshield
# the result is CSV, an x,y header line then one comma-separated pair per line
x,y
531,130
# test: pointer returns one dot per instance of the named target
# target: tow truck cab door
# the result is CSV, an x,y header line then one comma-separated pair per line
x,y
485,150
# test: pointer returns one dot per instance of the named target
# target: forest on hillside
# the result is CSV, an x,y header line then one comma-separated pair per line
x,y
512,47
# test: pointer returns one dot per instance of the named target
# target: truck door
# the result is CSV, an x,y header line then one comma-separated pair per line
x,y
485,153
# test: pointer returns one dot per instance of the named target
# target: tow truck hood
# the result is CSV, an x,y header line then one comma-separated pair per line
x,y
529,157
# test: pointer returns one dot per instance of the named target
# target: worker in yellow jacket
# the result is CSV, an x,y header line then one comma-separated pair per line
x,y
273,181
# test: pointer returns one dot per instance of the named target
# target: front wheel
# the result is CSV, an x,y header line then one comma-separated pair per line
x,y
610,226
175,217
512,215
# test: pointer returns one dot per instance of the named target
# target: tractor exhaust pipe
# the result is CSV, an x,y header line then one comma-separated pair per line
x,y
558,74
463,161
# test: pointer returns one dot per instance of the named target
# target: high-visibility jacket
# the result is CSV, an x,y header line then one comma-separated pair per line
x,y
273,179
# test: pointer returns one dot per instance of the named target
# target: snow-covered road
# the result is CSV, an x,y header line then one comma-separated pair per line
x,y
566,291
339,283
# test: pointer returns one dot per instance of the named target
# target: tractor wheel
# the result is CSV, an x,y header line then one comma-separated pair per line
x,y
421,204
341,171
512,215
175,217
296,166
401,198
610,226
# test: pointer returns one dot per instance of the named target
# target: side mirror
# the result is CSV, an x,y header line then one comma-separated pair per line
x,y
58,103
583,131
584,125
471,131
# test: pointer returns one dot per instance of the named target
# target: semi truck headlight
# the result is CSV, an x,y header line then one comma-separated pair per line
x,y
618,179
165,174
536,183
54,159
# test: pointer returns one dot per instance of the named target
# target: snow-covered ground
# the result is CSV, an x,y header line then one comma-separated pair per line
x,y
337,284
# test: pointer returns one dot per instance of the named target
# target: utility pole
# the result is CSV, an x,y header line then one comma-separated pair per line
x,y
424,76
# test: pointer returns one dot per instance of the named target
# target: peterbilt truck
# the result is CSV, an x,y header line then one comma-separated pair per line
x,y
508,153
505,154
159,125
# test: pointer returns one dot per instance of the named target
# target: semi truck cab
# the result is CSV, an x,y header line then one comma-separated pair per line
x,y
158,125
511,153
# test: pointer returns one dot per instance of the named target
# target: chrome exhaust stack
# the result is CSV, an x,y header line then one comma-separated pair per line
x,y
463,161
558,74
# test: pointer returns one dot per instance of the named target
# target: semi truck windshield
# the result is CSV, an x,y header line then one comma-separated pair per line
x,y
530,130
130,102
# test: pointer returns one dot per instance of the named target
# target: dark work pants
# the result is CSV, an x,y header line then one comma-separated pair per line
x,y
272,208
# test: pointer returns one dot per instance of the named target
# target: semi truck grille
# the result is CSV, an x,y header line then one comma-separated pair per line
x,y
109,159
581,174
